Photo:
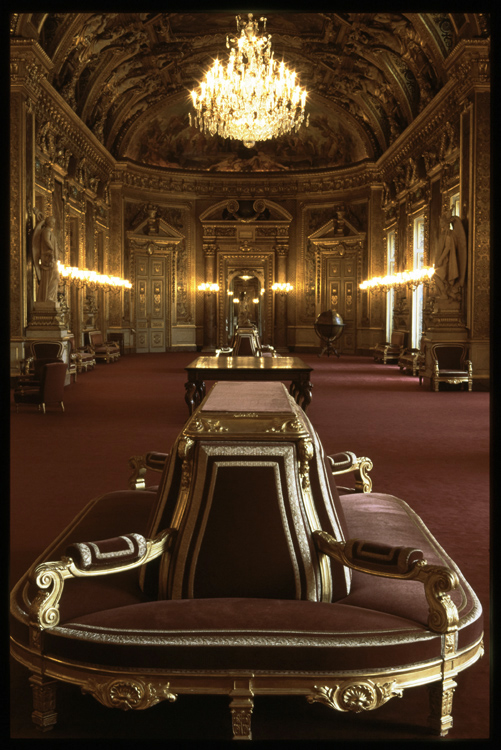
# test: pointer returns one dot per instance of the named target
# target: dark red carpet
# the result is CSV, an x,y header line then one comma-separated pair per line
x,y
430,449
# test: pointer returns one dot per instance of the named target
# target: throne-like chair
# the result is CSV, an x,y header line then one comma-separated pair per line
x,y
390,351
247,343
246,573
104,351
449,364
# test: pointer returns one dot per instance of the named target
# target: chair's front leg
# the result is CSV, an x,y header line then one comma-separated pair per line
x,y
44,714
440,696
241,707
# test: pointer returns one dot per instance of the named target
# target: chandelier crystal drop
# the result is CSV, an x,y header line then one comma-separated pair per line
x,y
251,97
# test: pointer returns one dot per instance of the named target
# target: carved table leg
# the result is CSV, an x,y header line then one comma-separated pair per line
x,y
440,695
44,714
200,391
302,393
191,389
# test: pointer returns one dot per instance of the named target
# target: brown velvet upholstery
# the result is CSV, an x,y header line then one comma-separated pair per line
x,y
50,389
241,585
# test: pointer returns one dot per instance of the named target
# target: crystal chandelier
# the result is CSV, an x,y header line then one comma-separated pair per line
x,y
251,97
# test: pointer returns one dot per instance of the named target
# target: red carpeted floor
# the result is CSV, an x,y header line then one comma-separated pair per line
x,y
430,449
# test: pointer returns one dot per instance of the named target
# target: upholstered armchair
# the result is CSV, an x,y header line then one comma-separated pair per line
x,y
49,389
411,359
81,357
104,351
246,573
390,351
449,365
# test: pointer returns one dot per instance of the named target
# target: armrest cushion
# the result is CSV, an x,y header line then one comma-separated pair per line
x,y
107,553
342,461
155,461
382,558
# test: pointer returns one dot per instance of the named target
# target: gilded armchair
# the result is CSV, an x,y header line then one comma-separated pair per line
x,y
449,364
246,573
390,351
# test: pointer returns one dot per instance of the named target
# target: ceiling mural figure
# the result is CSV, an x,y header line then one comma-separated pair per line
x,y
128,76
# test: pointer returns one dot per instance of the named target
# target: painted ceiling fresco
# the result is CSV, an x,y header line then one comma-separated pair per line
x,y
167,140
128,77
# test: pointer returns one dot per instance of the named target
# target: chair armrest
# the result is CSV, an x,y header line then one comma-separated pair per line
x,y
140,464
49,577
404,563
345,462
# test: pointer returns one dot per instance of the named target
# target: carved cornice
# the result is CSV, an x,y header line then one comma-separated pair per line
x,y
29,66
469,67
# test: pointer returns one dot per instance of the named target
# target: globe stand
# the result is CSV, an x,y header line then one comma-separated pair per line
x,y
329,326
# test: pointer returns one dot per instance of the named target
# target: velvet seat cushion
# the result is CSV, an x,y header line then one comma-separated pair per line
x,y
237,633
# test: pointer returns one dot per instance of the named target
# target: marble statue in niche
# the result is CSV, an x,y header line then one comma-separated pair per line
x,y
450,264
45,253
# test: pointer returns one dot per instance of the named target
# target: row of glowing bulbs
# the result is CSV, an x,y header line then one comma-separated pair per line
x,y
404,278
83,276
277,287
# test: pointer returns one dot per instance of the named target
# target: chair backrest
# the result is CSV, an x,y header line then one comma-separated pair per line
x,y
398,338
53,379
245,486
450,356
47,349
39,366
246,343
95,338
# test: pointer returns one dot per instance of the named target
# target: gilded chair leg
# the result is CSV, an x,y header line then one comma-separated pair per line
x,y
44,714
241,711
440,695
62,405
43,408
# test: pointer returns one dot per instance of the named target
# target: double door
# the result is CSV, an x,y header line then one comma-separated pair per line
x,y
340,294
152,326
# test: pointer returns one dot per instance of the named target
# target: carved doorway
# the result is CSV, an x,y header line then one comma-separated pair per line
x,y
152,310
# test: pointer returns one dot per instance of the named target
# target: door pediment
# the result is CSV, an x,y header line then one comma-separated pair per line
x,y
335,231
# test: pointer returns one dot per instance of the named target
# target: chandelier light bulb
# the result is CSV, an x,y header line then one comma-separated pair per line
x,y
252,97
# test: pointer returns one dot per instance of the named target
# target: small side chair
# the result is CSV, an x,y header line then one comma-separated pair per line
x,y
50,389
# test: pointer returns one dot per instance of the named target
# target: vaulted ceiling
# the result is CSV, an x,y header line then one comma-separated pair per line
x,y
128,77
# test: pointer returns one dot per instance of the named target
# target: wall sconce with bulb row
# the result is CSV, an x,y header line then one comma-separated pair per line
x,y
282,288
82,277
208,288
405,279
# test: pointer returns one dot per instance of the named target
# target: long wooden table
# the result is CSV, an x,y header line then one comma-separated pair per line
x,y
248,368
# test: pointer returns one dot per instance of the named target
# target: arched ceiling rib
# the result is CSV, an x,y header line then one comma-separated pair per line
x,y
127,75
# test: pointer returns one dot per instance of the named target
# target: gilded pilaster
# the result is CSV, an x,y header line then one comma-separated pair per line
x,y
28,65
470,66
114,258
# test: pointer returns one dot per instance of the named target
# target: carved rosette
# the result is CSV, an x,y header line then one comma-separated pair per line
x,y
355,696
129,694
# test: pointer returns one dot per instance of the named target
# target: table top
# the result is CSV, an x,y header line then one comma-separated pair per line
x,y
251,364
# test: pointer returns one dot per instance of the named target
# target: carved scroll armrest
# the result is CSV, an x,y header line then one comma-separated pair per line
x,y
403,563
49,577
140,464
345,462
